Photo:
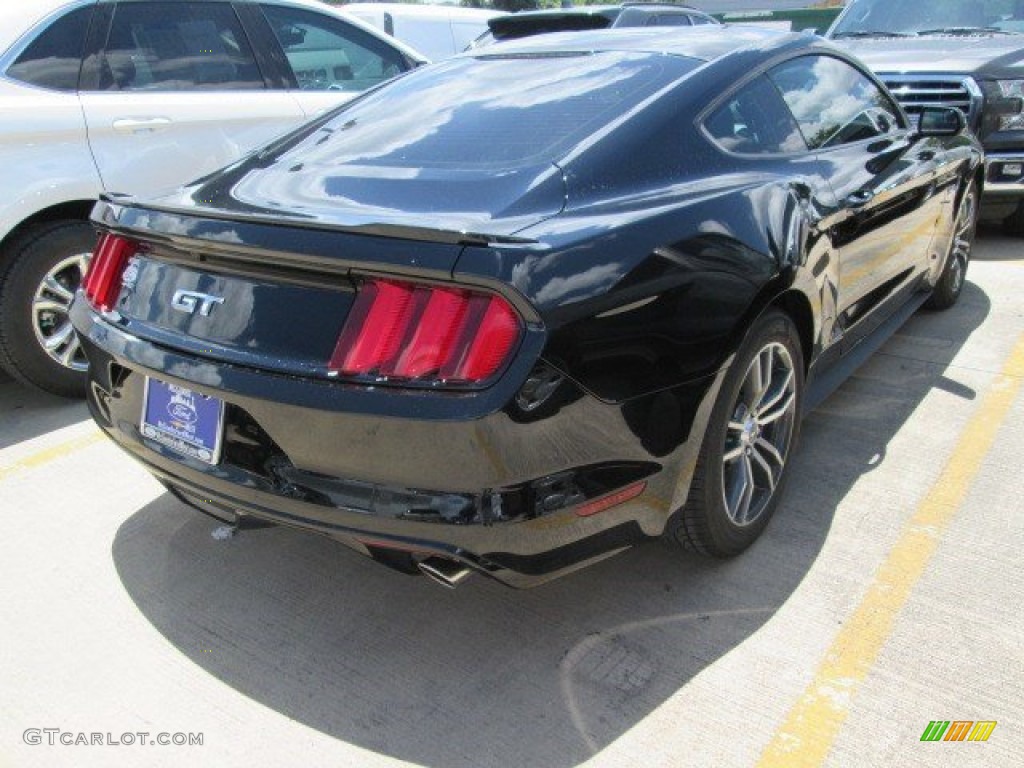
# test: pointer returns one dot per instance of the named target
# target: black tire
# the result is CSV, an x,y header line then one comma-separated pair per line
x,y
1014,223
950,284
707,523
24,326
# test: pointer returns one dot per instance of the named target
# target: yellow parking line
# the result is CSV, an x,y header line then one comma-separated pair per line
x,y
47,455
811,727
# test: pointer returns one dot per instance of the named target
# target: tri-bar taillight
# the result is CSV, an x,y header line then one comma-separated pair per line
x,y
428,334
102,282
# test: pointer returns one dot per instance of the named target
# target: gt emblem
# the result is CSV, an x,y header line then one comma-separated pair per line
x,y
187,301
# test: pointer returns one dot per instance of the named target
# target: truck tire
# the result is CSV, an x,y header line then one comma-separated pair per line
x,y
38,346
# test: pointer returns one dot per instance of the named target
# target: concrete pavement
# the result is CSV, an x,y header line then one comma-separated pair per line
x,y
884,595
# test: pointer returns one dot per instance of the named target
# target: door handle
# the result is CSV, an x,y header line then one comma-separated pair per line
x,y
860,198
142,124
926,155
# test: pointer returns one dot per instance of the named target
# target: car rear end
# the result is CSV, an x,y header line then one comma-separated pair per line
x,y
330,334
261,376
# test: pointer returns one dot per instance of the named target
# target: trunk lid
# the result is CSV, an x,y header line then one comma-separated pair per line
x,y
252,293
421,204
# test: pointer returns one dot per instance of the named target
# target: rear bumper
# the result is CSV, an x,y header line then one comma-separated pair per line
x,y
498,492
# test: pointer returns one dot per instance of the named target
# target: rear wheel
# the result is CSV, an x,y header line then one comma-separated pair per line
x,y
38,346
951,282
743,460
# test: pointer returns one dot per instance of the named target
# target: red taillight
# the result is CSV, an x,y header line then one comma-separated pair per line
x,y
406,331
102,281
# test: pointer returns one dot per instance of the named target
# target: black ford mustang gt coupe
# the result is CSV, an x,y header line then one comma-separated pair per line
x,y
519,310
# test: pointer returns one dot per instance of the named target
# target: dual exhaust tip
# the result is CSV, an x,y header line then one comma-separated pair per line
x,y
447,573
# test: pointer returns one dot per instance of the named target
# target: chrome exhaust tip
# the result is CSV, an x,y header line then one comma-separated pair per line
x,y
447,573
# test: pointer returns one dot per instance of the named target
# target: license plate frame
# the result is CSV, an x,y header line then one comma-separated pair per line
x,y
185,421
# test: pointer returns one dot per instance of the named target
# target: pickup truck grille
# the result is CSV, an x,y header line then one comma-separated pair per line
x,y
913,93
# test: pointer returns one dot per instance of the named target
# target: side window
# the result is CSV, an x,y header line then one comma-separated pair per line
x,y
327,54
755,121
174,46
669,20
833,102
54,58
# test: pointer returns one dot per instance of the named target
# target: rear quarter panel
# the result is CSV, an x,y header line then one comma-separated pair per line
x,y
44,152
650,278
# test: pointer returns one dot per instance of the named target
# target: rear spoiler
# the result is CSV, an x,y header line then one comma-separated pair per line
x,y
123,211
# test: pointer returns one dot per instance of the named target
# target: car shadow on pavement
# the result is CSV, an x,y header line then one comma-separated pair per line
x,y
26,413
999,246
485,675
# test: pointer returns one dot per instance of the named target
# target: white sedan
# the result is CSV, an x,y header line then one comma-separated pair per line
x,y
132,96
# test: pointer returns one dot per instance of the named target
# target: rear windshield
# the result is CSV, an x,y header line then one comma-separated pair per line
x,y
516,25
491,111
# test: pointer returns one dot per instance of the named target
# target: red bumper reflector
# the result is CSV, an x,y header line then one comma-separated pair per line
x,y
408,331
612,499
102,282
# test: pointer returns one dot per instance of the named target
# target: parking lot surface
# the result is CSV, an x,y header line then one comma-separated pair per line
x,y
884,595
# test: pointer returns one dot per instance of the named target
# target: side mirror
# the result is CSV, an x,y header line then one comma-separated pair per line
x,y
941,121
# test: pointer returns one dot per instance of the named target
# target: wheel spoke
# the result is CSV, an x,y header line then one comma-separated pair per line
x,y
765,364
779,411
70,351
766,469
767,370
735,426
742,510
58,337
49,305
766,405
83,264
730,456
770,452
53,285
965,222
754,382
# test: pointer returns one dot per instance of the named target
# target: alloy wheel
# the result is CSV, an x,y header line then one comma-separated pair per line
x,y
759,434
963,238
51,306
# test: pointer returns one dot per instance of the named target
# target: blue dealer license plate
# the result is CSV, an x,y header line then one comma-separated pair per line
x,y
185,421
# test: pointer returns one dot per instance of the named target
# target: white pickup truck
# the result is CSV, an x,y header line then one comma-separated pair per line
x,y
135,96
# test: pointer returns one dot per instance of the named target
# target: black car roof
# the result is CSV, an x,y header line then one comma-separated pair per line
x,y
576,10
702,42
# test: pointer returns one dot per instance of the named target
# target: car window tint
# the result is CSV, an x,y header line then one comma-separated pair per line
x,y
177,46
669,20
755,120
327,54
54,58
833,102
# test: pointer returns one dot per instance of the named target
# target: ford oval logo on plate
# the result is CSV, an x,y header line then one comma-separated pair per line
x,y
182,412
187,422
